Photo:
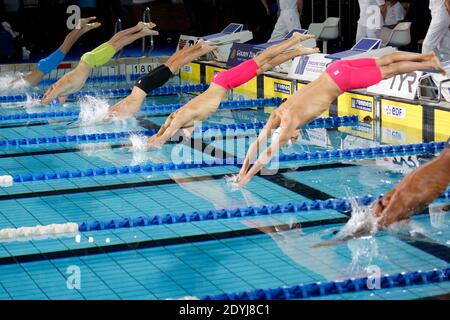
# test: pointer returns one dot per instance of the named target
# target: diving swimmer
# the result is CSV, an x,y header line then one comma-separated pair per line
x,y
410,196
130,105
205,104
45,66
75,79
316,97
416,191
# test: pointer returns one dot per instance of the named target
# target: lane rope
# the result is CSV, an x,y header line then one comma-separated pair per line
x,y
333,155
108,136
341,204
352,285
145,110
111,93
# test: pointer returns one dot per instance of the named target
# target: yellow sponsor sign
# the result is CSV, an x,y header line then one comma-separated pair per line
x,y
248,89
392,133
210,72
363,130
352,103
441,125
277,88
400,113
190,72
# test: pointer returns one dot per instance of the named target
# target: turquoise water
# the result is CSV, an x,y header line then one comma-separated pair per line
x,y
196,258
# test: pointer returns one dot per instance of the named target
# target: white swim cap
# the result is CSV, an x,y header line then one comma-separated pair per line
x,y
6,181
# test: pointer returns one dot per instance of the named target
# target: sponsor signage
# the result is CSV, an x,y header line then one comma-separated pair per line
x,y
241,52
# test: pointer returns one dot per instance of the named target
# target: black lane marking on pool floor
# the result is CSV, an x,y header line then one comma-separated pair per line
x,y
114,146
24,125
429,246
157,243
301,188
131,185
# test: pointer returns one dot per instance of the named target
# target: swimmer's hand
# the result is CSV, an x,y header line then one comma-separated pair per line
x,y
415,192
339,239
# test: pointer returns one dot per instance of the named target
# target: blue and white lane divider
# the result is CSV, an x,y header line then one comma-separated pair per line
x,y
146,110
196,216
322,289
110,93
333,155
98,79
111,136
91,80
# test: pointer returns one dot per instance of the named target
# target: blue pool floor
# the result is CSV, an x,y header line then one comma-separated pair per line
x,y
199,258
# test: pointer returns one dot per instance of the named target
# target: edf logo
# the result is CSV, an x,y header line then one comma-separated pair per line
x,y
394,111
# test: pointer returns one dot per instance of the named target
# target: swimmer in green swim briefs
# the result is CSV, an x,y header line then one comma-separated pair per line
x,y
74,80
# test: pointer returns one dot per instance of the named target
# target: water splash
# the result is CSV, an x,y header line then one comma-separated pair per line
x,y
232,182
138,142
362,221
13,82
92,110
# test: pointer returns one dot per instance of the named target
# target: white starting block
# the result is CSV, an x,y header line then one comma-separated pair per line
x,y
309,68
233,33
435,87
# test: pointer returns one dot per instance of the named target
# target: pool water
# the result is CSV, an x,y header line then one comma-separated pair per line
x,y
199,258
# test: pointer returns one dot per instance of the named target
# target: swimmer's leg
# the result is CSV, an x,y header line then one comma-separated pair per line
x,y
182,58
126,40
286,56
391,70
404,56
127,32
277,49
429,61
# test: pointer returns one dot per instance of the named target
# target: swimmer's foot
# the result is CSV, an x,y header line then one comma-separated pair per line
x,y
302,37
85,24
436,63
149,25
302,51
207,47
150,32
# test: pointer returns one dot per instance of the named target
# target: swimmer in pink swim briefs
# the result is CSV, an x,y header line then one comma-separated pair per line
x,y
205,104
316,97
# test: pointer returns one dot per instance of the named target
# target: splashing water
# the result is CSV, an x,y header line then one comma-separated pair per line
x,y
232,182
13,82
360,221
92,110
138,142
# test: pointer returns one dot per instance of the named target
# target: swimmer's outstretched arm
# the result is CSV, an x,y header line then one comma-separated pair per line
x,y
129,106
75,79
264,135
46,65
416,191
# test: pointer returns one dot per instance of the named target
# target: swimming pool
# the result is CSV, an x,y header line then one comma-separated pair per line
x,y
195,257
